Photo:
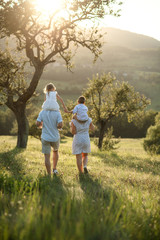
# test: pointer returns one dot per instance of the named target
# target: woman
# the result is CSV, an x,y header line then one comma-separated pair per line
x,y
81,142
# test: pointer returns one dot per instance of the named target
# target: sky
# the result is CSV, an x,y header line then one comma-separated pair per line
x,y
139,16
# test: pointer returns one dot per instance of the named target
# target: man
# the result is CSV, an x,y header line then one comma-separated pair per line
x,y
50,122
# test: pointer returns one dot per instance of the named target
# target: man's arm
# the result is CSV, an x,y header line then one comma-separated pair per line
x,y
39,124
59,125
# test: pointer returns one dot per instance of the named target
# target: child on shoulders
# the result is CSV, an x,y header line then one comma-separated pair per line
x,y
80,110
51,97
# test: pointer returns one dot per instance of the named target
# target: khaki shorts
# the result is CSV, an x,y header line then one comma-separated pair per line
x,y
46,146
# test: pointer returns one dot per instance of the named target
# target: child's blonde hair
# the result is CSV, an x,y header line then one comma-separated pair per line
x,y
49,87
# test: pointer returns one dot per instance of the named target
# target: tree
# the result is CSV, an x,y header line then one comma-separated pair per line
x,y
12,87
107,98
42,39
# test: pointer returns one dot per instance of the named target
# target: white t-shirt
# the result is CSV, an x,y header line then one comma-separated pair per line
x,y
51,102
81,111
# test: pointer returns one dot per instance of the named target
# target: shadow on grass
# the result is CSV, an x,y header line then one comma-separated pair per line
x,y
51,188
63,141
93,188
11,162
136,163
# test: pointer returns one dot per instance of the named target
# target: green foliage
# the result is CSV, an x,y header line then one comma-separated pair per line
x,y
157,119
152,141
135,129
109,97
109,142
6,121
34,131
32,113
67,118
12,82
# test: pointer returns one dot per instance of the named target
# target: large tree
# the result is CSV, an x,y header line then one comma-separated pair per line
x,y
12,87
108,97
43,37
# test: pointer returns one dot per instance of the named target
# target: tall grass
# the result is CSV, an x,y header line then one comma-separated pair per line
x,y
119,199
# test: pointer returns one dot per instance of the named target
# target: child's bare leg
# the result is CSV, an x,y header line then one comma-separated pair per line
x,y
79,162
75,116
85,159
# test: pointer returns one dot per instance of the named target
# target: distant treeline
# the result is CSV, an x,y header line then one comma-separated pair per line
x,y
121,126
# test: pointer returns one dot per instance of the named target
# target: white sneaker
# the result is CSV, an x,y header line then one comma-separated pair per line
x,y
55,171
85,170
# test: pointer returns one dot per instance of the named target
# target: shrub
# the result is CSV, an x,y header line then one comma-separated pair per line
x,y
152,142
34,131
109,142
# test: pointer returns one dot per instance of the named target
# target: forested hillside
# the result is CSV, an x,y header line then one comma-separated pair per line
x,y
131,57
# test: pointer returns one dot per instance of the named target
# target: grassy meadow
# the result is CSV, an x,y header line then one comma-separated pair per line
x,y
118,199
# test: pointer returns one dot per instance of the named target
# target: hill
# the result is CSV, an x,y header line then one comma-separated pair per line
x,y
130,40
131,57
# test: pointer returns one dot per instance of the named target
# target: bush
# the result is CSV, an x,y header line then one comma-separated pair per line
x,y
109,142
34,131
152,142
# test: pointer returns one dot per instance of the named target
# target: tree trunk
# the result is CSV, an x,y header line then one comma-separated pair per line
x,y
23,126
101,133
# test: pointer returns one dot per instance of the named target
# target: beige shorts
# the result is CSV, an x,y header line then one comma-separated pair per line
x,y
46,146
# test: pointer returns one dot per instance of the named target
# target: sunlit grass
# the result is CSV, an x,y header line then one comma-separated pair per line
x,y
119,199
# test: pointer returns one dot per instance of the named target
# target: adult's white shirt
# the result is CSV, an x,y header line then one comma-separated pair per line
x,y
50,120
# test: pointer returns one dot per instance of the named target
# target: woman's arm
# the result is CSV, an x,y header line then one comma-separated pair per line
x,y
92,127
73,129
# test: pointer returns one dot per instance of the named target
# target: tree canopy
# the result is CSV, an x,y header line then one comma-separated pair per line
x,y
108,97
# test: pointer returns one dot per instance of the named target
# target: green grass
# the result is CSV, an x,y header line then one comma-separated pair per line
x,y
119,199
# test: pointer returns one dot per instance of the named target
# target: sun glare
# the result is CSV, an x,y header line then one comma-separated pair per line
x,y
49,6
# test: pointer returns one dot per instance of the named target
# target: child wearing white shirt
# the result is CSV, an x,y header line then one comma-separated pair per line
x,y
80,110
51,97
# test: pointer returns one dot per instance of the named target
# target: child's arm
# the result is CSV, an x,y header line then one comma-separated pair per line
x,y
68,111
61,100
74,111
